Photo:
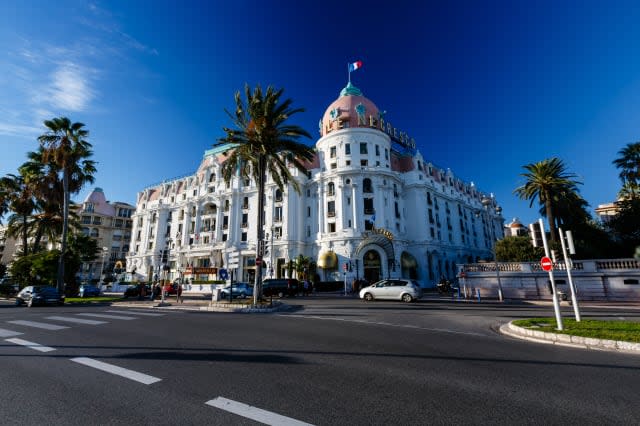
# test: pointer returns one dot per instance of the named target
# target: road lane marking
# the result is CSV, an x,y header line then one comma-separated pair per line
x,y
147,314
76,320
118,371
253,413
8,333
32,345
38,325
387,324
108,316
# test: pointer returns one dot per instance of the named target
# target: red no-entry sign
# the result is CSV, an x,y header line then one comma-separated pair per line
x,y
546,263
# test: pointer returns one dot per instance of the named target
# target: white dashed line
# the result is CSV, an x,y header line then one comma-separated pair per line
x,y
107,316
147,314
39,325
77,320
8,333
31,345
253,413
118,371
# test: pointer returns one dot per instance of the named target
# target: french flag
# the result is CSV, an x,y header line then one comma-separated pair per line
x,y
354,66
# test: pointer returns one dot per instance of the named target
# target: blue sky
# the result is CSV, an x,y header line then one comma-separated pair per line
x,y
483,87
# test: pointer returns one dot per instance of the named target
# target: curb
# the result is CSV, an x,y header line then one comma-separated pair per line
x,y
211,307
568,340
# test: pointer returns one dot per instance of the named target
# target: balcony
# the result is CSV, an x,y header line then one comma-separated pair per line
x,y
331,214
244,225
369,211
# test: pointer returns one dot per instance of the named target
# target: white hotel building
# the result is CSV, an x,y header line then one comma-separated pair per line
x,y
369,200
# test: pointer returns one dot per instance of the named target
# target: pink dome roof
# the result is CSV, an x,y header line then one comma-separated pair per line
x,y
96,197
352,108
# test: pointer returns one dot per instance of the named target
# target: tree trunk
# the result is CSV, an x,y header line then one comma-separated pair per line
x,y
257,288
65,230
25,235
551,220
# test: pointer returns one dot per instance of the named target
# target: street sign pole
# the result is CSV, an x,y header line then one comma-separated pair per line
x,y
568,265
554,296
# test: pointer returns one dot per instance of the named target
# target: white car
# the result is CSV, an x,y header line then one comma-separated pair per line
x,y
403,289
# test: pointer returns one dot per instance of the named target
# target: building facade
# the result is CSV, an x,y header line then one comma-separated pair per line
x,y
109,223
370,207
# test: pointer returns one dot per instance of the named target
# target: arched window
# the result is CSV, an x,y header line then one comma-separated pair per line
x,y
278,195
367,186
331,189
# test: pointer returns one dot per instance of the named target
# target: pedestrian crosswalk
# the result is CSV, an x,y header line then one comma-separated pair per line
x,y
76,320
37,324
80,319
108,316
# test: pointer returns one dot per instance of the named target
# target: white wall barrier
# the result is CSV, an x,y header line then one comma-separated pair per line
x,y
598,279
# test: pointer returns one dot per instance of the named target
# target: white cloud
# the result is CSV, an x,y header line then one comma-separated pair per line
x,y
19,130
70,88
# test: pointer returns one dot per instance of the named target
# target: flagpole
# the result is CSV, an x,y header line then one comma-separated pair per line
x,y
349,73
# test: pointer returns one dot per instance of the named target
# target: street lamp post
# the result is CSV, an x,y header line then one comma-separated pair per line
x,y
164,260
486,202
105,251
271,253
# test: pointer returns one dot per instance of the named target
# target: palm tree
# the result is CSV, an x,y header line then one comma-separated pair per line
x,y
629,165
16,195
260,143
550,183
65,149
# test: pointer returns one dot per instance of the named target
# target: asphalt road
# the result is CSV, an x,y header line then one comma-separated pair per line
x,y
329,361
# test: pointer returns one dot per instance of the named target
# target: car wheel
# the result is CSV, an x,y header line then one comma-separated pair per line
x,y
243,295
280,294
407,298
18,302
368,297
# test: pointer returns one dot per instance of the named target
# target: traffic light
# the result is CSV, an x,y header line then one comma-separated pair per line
x,y
536,235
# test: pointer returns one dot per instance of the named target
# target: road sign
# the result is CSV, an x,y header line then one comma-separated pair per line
x,y
222,273
546,263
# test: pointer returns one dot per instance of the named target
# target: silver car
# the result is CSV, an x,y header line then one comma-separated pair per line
x,y
403,289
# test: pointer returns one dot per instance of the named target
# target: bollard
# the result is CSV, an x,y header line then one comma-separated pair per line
x,y
478,294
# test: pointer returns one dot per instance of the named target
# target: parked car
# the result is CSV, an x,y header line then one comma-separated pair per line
x,y
403,289
39,295
240,290
134,290
280,287
86,290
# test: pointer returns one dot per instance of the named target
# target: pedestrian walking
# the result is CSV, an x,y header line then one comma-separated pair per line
x,y
305,285
179,298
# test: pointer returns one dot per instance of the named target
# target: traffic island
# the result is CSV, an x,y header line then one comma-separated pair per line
x,y
568,340
248,308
